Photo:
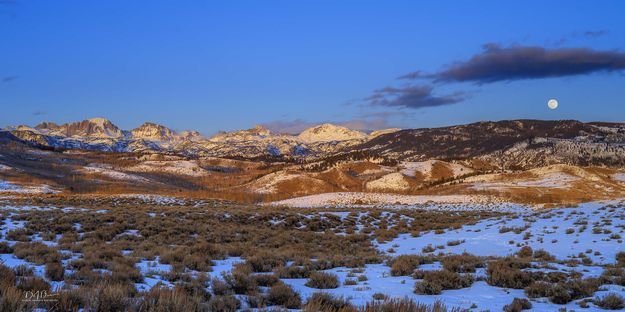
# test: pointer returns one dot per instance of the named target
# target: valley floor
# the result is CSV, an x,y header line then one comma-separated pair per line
x,y
223,257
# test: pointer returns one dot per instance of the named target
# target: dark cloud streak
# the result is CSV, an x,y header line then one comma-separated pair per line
x,y
8,79
413,75
496,63
417,96
595,33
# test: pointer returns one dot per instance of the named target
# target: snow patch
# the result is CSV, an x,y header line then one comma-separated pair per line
x,y
107,171
180,167
391,181
392,201
9,187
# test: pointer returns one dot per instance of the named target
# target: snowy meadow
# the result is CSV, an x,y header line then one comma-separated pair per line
x,y
147,253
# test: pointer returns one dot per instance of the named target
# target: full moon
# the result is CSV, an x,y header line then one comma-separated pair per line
x,y
553,103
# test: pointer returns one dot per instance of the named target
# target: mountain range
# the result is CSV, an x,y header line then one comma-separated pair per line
x,y
100,134
545,161
510,143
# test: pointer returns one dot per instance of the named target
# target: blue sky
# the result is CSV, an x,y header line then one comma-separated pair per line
x,y
225,65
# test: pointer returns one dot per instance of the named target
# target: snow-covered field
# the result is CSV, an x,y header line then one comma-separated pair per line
x,y
268,183
479,296
109,172
549,180
563,232
391,181
180,167
425,168
584,240
8,187
396,201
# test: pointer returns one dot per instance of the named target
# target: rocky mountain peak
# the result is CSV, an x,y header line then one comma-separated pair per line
x,y
329,132
94,127
46,125
152,131
256,133
190,134
260,130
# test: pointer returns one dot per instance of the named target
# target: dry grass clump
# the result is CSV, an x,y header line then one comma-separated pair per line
x,y
507,273
538,289
108,297
265,262
20,235
226,303
12,296
198,262
240,280
404,305
322,280
406,264
220,288
434,282
518,305
293,271
379,296
455,242
266,280
36,252
614,276
428,249
464,263
163,299
525,252
5,248
559,294
55,271
610,301
327,303
125,272
283,295
200,256
32,283
543,255
564,291
620,259
70,299
98,255
12,299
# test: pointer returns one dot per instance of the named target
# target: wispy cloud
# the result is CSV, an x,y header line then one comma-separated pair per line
x,y
8,79
594,33
413,75
364,122
580,35
288,126
496,63
416,96
373,121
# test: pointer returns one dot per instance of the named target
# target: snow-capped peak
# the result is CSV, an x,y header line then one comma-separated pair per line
x,y
94,127
152,131
256,133
329,132
46,125
102,122
380,132
187,134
